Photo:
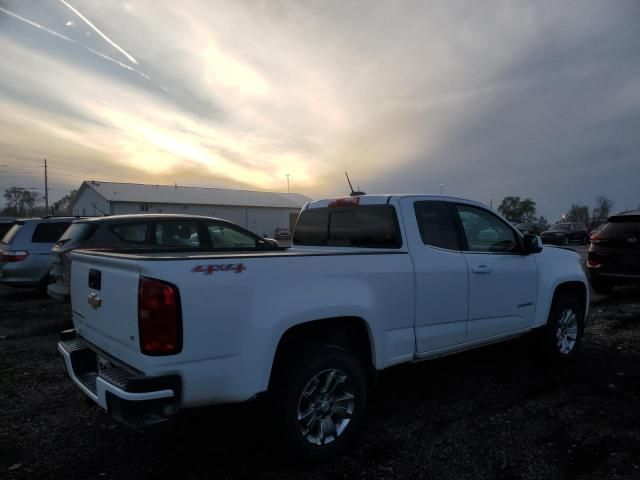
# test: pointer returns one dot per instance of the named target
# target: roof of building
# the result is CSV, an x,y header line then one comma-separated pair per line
x,y
141,193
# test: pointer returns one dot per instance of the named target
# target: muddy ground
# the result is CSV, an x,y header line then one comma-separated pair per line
x,y
494,413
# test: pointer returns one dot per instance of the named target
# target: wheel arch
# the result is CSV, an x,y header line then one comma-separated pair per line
x,y
575,289
351,333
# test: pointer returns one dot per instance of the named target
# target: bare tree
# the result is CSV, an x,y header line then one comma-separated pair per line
x,y
19,201
602,209
578,213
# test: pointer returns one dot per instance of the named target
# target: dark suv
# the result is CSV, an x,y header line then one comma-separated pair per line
x,y
614,254
148,232
565,233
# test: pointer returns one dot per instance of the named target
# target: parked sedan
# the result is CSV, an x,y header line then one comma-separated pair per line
x,y
565,233
532,228
149,232
614,254
25,250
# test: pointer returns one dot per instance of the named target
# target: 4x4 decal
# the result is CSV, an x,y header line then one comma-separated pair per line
x,y
225,267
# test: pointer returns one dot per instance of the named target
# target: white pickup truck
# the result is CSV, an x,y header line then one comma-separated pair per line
x,y
371,281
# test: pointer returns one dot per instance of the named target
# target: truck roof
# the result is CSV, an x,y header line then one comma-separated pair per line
x,y
381,199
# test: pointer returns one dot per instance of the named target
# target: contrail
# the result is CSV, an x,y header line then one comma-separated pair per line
x,y
107,39
70,40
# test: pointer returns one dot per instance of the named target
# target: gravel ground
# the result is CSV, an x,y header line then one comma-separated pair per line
x,y
494,413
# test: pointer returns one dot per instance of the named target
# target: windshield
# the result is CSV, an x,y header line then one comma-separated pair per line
x,y
560,227
628,225
10,235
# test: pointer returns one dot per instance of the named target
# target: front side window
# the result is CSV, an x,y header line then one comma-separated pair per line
x,y
485,232
49,232
436,225
177,233
225,236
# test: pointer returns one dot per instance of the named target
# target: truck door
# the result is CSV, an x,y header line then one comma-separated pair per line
x,y
502,282
441,277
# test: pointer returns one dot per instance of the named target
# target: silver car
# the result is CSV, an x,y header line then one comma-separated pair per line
x,y
25,250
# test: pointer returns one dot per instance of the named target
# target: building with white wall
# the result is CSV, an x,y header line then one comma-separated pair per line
x,y
260,212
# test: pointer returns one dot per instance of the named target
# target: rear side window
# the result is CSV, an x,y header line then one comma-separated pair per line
x,y
77,232
436,225
13,231
49,232
224,236
177,233
134,233
367,226
4,228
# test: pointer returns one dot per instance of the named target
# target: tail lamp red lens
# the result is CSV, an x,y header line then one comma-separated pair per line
x,y
159,317
345,202
10,256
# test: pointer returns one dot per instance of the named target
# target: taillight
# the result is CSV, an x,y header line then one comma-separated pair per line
x,y
9,256
159,317
345,202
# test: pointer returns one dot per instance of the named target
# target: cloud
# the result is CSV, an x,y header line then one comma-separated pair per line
x,y
490,99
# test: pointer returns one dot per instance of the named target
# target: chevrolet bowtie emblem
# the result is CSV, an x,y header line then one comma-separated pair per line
x,y
94,300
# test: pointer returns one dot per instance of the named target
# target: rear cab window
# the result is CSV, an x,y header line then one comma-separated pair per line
x,y
362,226
49,232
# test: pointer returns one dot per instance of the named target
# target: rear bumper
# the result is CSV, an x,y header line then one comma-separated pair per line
x,y
553,240
58,292
613,277
128,395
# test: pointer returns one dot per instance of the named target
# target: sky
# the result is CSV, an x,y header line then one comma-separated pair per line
x,y
488,99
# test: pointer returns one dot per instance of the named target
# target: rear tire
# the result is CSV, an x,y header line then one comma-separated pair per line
x,y
320,397
602,287
562,335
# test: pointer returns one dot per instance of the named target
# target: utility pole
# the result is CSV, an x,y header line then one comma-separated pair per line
x,y
46,188
288,183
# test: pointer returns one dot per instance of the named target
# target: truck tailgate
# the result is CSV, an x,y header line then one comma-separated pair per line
x,y
104,297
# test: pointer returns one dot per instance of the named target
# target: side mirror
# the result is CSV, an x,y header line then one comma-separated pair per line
x,y
532,244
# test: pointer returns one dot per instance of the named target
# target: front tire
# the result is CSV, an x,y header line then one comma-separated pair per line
x,y
565,326
320,402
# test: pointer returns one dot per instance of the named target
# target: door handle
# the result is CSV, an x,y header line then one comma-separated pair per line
x,y
481,269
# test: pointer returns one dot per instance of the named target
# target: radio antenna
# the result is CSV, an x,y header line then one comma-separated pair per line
x,y
354,193
349,181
